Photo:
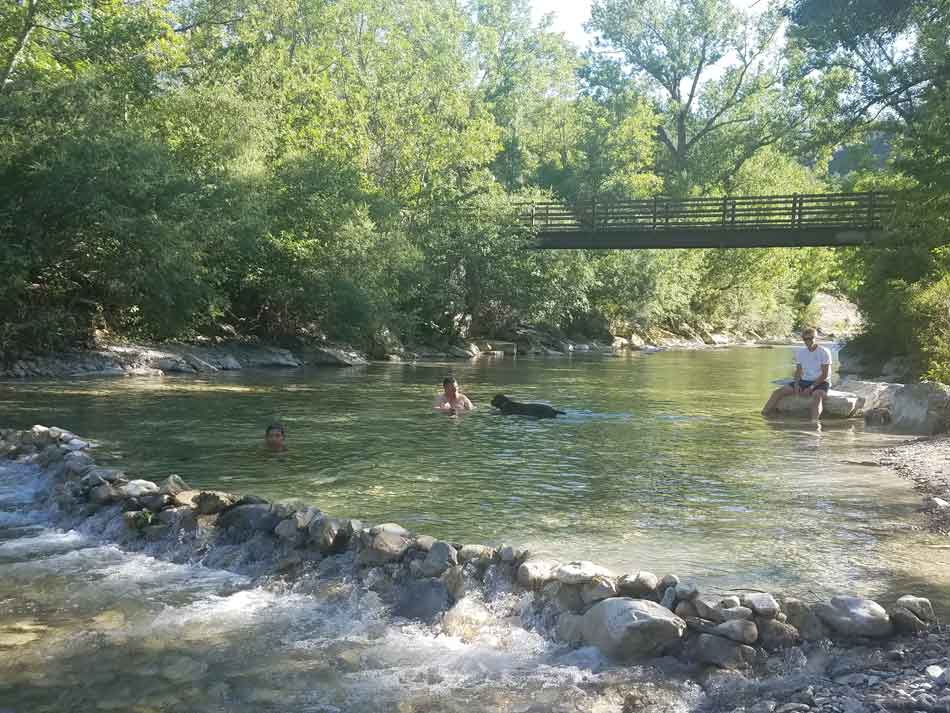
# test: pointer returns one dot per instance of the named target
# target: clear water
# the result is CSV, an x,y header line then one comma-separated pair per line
x,y
662,463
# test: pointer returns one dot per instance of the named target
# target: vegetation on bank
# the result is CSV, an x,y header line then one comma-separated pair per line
x,y
293,168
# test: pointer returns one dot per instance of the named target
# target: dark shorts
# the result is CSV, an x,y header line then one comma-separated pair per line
x,y
806,384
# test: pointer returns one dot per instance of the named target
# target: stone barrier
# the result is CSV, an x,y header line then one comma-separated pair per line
x,y
628,616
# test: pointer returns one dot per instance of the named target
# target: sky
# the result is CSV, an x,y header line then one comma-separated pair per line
x,y
570,16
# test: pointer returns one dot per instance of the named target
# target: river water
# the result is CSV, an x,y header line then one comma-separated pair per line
x,y
662,463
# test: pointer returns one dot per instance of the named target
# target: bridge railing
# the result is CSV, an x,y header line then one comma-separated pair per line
x,y
815,210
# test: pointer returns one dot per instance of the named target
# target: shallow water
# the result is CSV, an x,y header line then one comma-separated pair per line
x,y
662,463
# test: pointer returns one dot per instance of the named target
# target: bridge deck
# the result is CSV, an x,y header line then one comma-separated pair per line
x,y
752,221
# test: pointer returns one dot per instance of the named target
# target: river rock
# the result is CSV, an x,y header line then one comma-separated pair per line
x,y
180,518
802,616
288,531
155,502
211,502
78,463
424,543
838,404
777,635
685,591
466,619
248,519
48,456
173,485
333,356
535,573
626,628
324,532
440,557
734,613
669,598
763,604
597,589
669,580
871,394
104,494
685,610
919,606
40,436
922,408
481,554
423,599
740,630
384,543
707,608
186,498
722,652
638,585
906,622
580,572
137,519
855,616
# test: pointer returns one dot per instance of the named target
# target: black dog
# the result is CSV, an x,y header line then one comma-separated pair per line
x,y
509,407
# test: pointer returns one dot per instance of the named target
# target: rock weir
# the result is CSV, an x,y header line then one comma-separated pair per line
x,y
629,616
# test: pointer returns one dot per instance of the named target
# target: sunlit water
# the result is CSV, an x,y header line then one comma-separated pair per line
x,y
662,463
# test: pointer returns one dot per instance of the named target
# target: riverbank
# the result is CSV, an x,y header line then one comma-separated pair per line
x,y
926,463
749,648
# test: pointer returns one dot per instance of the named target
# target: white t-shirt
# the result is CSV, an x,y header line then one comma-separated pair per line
x,y
812,361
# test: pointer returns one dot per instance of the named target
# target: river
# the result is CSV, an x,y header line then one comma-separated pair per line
x,y
662,463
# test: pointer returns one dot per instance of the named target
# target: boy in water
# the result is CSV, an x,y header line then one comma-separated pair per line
x,y
274,437
451,399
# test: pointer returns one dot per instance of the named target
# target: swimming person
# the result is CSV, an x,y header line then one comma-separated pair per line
x,y
452,400
274,437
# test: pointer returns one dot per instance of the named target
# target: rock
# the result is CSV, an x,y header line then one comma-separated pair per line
x,y
741,630
137,519
570,628
228,363
803,618
507,553
104,494
776,635
440,558
729,602
631,628
384,543
332,356
855,616
454,579
669,580
638,585
922,408
424,600
919,606
871,394
580,572
248,519
138,488
181,518
424,542
669,597
722,652
708,608
465,619
77,444
211,502
478,553
934,673
763,604
734,613
597,589
535,573
934,504
288,531
685,610
906,622
838,404
186,498
304,518
173,485
155,501
324,533
78,463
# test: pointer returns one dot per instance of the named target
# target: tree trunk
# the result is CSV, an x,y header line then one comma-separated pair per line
x,y
22,38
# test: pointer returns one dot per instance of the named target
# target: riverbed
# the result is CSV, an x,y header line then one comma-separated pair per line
x,y
662,463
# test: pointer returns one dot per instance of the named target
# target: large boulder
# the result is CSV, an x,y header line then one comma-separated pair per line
x,y
580,572
626,628
535,573
384,543
423,599
838,404
332,356
922,408
723,652
855,616
871,394
441,556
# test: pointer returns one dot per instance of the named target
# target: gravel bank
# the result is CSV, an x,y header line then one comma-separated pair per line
x,y
925,462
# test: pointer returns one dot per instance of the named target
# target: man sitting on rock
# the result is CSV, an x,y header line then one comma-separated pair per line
x,y
812,371
451,399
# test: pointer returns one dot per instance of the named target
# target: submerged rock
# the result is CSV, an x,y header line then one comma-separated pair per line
x,y
466,619
423,599
631,628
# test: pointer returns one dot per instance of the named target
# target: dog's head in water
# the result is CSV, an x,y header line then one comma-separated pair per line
x,y
500,401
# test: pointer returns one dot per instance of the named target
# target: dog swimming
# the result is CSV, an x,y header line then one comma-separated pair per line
x,y
516,408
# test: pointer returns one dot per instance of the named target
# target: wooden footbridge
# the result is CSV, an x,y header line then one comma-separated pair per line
x,y
799,220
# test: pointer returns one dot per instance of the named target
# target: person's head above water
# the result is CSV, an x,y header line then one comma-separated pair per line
x,y
450,386
274,436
